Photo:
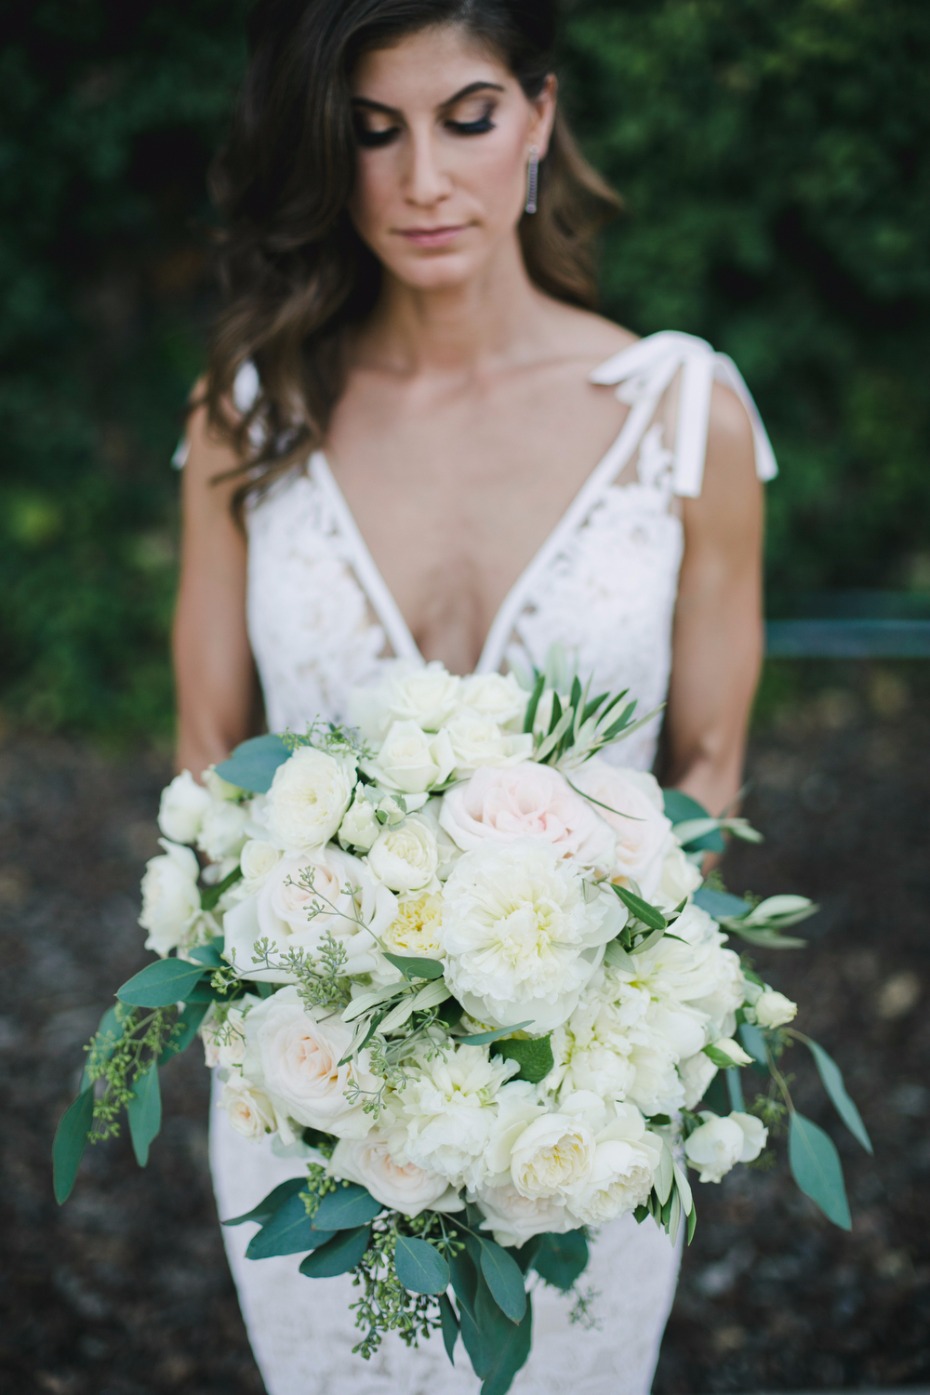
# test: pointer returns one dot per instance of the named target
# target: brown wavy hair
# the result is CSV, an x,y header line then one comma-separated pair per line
x,y
294,274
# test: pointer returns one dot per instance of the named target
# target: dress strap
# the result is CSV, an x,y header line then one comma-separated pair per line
x,y
649,365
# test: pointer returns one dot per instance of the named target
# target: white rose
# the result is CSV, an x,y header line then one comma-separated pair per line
x,y
219,788
522,933
696,1074
478,740
304,896
359,827
293,1054
224,1039
412,760
170,898
678,878
497,696
223,830
309,795
181,808
623,1170
402,1186
513,1219
718,1144
250,1111
422,693
257,860
773,1009
405,857
503,803
642,832
553,1156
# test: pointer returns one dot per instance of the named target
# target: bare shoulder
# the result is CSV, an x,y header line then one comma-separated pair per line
x,y
586,336
208,454
728,511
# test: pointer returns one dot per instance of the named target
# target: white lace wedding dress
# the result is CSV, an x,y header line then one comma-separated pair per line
x,y
321,619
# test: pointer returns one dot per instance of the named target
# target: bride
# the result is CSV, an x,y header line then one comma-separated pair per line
x,y
391,456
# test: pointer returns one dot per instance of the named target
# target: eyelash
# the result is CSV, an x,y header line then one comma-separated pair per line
x,y
373,139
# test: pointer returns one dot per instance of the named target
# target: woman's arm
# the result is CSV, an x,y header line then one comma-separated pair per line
x,y
216,686
718,635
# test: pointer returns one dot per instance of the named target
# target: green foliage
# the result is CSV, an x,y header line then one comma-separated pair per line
x,y
532,1054
774,162
816,1167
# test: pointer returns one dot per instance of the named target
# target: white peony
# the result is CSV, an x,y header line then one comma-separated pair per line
x,y
497,696
292,1053
522,933
250,1111
642,831
622,1173
303,897
309,795
526,801
181,808
718,1144
592,1049
412,760
446,1111
402,1186
170,898
773,1009
406,856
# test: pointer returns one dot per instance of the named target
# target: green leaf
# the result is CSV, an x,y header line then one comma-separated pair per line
x,y
210,895
754,1042
506,1344
210,954
70,1142
532,1054
720,904
339,1255
161,984
412,967
817,1169
420,1267
346,1208
143,1110
735,1089
252,765
464,1281
482,1038
504,1278
832,1078
562,1259
530,715
272,1202
189,1020
642,910
450,1325
681,808
287,1232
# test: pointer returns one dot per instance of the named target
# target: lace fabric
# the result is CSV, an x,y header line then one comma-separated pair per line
x,y
321,619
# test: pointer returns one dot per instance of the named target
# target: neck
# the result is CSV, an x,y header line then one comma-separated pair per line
x,y
487,321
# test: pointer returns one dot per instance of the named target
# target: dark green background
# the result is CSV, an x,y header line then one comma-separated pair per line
x,y
774,162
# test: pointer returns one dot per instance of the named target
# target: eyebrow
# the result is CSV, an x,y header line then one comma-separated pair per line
x,y
449,102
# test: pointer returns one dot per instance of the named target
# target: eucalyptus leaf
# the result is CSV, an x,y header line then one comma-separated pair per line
x,y
346,1208
754,1042
420,1267
189,1019
816,1167
504,1278
735,1088
70,1142
464,1281
450,1325
252,764
562,1259
482,1038
506,1344
143,1111
832,1078
287,1232
720,904
413,967
160,984
339,1255
272,1202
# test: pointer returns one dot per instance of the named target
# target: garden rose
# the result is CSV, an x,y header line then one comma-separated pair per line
x,y
718,1144
309,795
402,1186
170,898
181,808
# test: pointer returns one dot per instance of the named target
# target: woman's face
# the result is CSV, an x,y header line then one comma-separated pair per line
x,y
444,132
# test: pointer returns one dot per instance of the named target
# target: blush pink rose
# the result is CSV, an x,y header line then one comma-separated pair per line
x,y
503,803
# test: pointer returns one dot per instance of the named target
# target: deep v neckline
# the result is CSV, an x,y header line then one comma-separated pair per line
x,y
381,597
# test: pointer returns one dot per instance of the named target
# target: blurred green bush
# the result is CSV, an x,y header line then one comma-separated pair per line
x,y
774,163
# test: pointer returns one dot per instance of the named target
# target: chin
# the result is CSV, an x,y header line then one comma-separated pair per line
x,y
433,271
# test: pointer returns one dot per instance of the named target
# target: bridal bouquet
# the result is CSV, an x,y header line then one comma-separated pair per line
x,y
462,967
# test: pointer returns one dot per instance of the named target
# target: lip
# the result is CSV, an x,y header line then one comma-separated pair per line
x,y
432,237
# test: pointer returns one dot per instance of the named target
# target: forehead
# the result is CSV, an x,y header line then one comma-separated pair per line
x,y
426,67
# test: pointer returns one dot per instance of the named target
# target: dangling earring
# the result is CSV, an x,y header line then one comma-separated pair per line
x,y
532,180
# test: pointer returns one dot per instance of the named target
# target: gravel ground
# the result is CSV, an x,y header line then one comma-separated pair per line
x,y
125,1290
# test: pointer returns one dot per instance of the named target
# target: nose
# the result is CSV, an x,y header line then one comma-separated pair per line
x,y
425,180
